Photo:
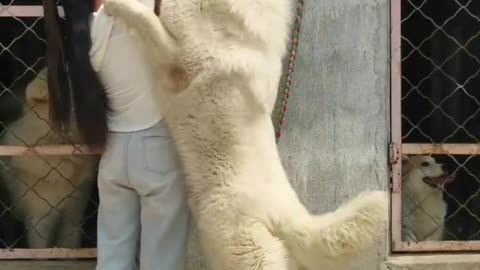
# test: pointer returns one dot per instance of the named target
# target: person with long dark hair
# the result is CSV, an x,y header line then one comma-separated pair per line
x,y
97,76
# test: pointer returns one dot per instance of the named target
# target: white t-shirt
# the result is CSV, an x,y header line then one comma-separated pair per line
x,y
117,57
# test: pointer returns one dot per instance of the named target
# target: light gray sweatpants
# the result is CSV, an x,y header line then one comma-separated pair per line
x,y
142,202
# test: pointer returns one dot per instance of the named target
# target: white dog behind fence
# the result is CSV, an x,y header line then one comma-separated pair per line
x,y
218,65
423,207
48,193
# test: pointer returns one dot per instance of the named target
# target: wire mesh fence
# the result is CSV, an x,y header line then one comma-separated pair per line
x,y
47,193
435,125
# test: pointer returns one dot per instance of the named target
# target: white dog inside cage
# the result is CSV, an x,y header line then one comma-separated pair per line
x,y
48,193
423,207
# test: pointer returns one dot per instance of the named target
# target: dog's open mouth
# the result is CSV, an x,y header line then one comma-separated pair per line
x,y
438,182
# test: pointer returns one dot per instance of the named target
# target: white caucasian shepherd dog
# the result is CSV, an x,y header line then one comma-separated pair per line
x,y
49,193
218,65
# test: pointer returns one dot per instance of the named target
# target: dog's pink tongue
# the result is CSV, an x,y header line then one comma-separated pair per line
x,y
441,181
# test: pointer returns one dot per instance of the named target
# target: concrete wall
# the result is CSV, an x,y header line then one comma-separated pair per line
x,y
336,138
337,132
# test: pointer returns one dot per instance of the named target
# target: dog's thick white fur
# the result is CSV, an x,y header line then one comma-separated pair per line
x,y
49,193
218,65
423,207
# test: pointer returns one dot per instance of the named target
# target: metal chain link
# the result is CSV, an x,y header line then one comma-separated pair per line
x,y
286,86
441,105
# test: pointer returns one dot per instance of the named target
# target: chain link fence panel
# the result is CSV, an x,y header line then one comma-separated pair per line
x,y
439,125
47,186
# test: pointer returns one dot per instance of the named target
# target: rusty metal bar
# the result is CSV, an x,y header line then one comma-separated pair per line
x,y
430,246
24,11
396,123
17,150
439,149
53,253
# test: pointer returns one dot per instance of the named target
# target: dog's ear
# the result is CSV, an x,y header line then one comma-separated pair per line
x,y
37,89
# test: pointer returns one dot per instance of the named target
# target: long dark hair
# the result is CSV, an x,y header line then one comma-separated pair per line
x,y
75,89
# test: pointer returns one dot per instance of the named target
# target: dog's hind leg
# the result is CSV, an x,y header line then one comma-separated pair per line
x,y
335,237
245,246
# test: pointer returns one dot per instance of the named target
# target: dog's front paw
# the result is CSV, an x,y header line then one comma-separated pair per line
x,y
123,8
112,6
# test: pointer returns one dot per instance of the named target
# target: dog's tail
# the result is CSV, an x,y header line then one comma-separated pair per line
x,y
341,234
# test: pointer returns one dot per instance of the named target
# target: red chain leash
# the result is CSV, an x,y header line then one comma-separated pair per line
x,y
282,107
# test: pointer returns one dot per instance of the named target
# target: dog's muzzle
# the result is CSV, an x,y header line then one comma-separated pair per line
x,y
438,182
